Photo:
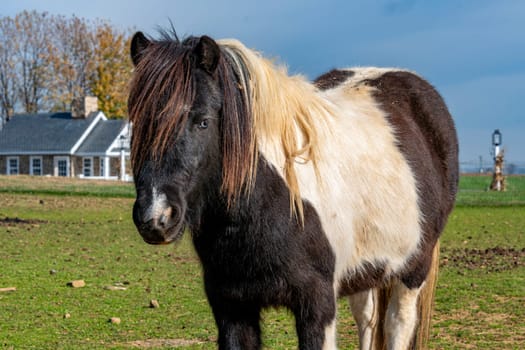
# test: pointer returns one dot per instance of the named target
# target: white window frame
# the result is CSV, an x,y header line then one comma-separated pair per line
x,y
55,165
11,170
31,165
87,171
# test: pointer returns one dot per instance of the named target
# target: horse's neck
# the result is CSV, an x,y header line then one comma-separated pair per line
x,y
267,201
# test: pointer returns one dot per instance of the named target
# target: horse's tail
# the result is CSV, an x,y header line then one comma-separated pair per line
x,y
425,308
426,303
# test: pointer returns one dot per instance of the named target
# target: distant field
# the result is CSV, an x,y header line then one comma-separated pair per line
x,y
54,231
61,186
473,191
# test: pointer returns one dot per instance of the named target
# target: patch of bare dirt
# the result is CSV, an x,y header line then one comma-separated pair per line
x,y
490,260
17,221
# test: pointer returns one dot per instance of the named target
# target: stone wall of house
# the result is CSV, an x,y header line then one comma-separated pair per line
x,y
48,166
23,165
3,165
96,166
114,167
76,165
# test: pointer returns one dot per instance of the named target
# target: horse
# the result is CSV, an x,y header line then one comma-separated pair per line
x,y
295,192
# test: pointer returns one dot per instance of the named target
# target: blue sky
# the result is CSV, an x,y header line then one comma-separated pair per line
x,y
472,51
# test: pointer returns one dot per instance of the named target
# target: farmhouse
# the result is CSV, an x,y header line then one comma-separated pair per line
x,y
81,143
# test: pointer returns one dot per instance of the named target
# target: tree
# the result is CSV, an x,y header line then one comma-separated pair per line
x,y
32,45
71,60
47,61
8,81
112,70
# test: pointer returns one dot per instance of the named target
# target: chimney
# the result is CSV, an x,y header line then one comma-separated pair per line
x,y
82,107
4,119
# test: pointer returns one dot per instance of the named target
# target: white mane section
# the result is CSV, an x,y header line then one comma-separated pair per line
x,y
287,112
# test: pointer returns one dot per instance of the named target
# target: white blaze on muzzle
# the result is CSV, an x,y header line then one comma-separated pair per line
x,y
159,206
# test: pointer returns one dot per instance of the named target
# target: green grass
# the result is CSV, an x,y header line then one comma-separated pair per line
x,y
473,191
89,236
60,186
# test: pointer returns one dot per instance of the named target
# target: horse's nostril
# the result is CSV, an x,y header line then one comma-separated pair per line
x,y
163,221
175,213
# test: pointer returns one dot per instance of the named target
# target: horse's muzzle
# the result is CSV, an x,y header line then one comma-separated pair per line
x,y
164,227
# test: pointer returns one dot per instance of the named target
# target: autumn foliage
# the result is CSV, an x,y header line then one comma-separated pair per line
x,y
47,60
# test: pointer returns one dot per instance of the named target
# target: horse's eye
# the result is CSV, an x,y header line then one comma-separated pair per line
x,y
203,124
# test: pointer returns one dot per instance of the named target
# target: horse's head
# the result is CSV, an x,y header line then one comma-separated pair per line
x,y
175,105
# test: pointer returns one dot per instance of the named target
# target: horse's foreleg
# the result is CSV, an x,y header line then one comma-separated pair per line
x,y
364,306
315,335
238,326
401,316
315,322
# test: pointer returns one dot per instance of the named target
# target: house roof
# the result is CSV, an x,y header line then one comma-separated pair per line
x,y
59,133
101,137
43,133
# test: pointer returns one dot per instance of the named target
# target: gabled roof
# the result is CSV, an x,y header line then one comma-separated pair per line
x,y
45,133
101,137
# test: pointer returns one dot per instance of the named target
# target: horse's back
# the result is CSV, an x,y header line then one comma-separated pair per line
x,y
419,117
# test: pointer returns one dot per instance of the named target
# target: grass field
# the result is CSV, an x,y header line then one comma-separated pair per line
x,y
55,231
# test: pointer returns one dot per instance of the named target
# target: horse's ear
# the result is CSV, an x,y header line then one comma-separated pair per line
x,y
207,53
138,44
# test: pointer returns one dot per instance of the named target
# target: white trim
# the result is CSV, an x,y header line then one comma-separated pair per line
x,y
56,159
86,133
90,154
107,168
8,165
113,178
32,170
33,153
126,132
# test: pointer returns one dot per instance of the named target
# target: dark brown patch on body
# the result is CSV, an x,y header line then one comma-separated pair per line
x,y
367,277
428,141
332,79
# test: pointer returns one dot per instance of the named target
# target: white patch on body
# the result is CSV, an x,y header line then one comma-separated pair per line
x,y
366,194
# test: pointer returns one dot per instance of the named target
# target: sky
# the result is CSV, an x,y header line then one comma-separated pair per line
x,y
472,51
